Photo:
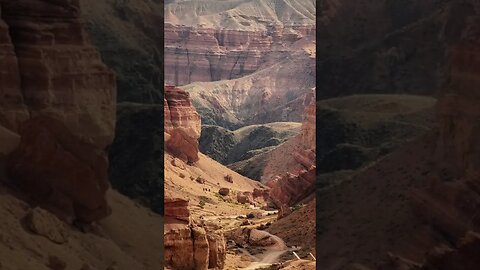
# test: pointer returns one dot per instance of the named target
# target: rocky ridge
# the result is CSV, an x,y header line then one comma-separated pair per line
x,y
292,178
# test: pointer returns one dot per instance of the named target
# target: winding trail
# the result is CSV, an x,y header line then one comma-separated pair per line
x,y
271,255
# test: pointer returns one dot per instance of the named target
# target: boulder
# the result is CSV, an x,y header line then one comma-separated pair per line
x,y
224,191
42,222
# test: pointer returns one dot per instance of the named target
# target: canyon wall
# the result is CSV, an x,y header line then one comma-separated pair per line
x,y
187,244
60,73
195,54
56,93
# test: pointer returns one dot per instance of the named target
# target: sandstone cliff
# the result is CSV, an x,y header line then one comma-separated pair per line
x,y
188,245
57,102
182,125
56,80
290,169
61,74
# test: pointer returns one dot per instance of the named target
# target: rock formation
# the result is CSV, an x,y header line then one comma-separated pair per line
x,y
182,125
188,245
59,96
59,72
292,177
60,171
11,98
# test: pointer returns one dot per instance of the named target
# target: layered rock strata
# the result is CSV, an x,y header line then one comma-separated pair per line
x,y
60,73
194,54
56,93
182,125
188,245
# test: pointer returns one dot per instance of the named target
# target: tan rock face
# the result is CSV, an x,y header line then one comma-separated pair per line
x,y
61,75
182,125
189,246
71,182
217,250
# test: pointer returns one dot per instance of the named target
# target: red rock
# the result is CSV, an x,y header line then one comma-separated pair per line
x,y
224,191
284,211
245,197
71,182
182,125
292,188
61,75
228,178
188,246
298,181
203,54
176,208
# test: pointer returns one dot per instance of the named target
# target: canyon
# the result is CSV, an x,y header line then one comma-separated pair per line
x,y
249,77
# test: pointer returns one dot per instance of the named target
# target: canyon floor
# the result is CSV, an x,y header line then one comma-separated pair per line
x,y
200,184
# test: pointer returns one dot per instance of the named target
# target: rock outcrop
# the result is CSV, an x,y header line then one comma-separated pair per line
x,y
176,208
290,171
182,125
56,93
59,73
59,171
188,245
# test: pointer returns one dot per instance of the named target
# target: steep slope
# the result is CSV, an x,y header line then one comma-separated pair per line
x,y
422,196
228,147
137,244
274,94
240,15
359,129
198,192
